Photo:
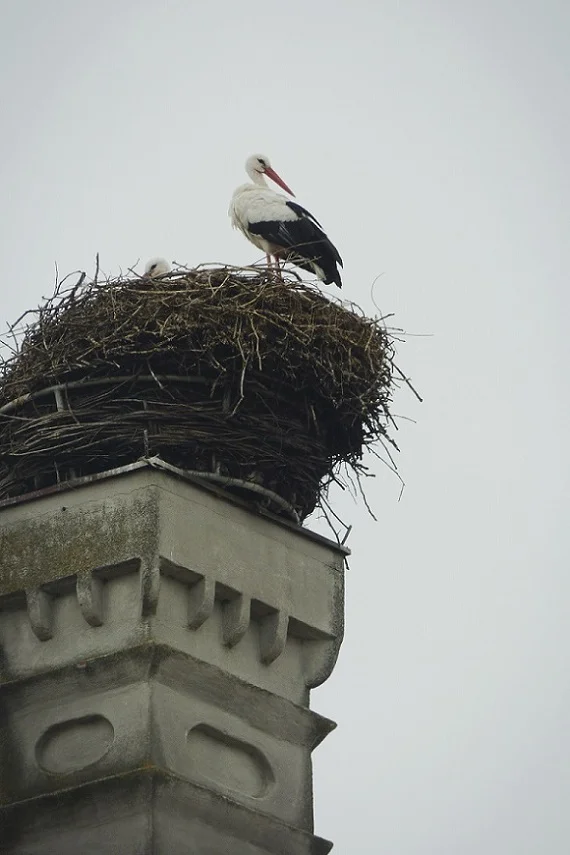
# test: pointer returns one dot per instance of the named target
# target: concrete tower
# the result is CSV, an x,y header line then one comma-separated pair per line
x,y
159,643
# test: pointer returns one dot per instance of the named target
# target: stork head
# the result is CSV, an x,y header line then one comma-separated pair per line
x,y
258,165
157,267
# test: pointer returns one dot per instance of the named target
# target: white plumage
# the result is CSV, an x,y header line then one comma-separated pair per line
x,y
279,227
157,267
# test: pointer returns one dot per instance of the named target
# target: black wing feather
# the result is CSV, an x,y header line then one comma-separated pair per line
x,y
305,241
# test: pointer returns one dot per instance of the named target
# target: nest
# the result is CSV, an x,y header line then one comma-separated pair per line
x,y
264,386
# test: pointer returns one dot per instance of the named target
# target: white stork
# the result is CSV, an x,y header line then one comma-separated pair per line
x,y
279,227
157,267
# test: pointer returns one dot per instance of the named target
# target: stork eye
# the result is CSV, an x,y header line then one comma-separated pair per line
x,y
261,162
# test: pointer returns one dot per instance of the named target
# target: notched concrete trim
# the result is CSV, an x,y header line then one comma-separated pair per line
x,y
40,613
204,596
201,599
90,598
322,656
273,636
150,586
236,618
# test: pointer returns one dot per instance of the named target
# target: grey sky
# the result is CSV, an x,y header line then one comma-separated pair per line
x,y
431,139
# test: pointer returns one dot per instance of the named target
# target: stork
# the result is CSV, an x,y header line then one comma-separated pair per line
x,y
157,267
282,228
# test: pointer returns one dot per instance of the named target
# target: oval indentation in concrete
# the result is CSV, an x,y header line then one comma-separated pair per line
x,y
72,745
229,762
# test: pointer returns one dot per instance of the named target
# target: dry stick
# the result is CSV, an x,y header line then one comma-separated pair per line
x,y
14,347
408,383
158,383
391,468
364,499
57,283
374,281
96,381
228,481
336,516
351,486
324,505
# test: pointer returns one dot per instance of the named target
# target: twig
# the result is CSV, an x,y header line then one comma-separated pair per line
x,y
407,382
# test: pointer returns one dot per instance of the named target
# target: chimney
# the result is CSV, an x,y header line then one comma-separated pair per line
x,y
164,613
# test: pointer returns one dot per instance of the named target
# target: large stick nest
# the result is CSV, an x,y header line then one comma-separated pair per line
x,y
229,372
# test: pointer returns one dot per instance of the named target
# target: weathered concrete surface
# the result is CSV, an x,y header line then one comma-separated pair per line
x,y
157,636
148,812
93,560
151,706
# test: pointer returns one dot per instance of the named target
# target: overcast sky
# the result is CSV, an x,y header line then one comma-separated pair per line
x,y
431,139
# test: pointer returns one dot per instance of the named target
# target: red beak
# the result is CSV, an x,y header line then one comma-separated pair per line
x,y
274,177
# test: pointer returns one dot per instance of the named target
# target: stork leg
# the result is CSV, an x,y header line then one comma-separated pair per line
x,y
278,266
273,264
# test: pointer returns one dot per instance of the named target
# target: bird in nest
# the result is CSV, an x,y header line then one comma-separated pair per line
x,y
157,267
280,227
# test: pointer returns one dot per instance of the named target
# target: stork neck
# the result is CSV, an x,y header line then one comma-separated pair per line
x,y
257,177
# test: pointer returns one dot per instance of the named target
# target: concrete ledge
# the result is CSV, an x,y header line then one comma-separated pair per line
x,y
146,813
152,706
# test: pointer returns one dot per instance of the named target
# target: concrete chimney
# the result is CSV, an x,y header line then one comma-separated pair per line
x,y
159,643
